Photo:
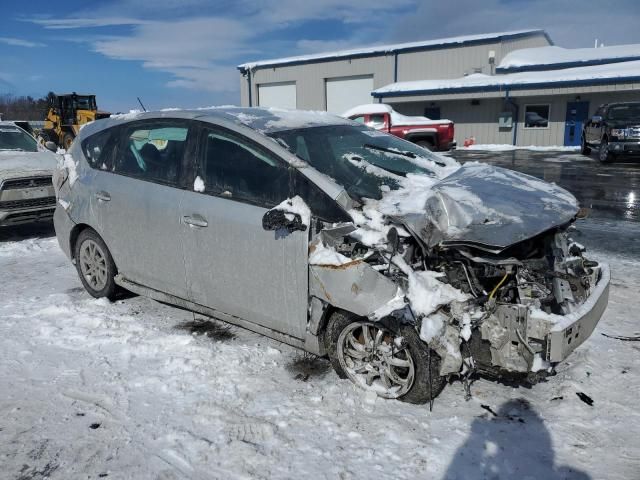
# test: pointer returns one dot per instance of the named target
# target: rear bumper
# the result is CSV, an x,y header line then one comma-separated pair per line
x,y
452,145
64,226
620,148
568,332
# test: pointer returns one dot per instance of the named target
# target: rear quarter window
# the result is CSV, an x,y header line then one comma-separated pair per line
x,y
98,149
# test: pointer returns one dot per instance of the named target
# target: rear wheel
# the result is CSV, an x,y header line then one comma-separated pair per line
x,y
67,140
584,148
604,155
391,361
95,265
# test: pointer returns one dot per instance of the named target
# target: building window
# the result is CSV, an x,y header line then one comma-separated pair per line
x,y
536,116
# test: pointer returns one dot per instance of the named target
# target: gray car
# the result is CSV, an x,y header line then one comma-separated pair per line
x,y
26,169
402,266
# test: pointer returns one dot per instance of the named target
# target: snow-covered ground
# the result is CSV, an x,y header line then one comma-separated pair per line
x,y
94,389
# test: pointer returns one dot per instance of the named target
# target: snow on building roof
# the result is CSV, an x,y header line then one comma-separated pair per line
x,y
399,47
552,57
569,77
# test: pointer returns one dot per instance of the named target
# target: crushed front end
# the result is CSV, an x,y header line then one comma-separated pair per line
x,y
512,314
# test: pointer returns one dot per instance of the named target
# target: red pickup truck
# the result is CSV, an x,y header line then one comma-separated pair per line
x,y
432,134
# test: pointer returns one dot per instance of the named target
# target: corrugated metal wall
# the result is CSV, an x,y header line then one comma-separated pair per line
x,y
455,62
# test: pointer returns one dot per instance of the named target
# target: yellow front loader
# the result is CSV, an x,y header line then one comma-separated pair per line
x,y
66,114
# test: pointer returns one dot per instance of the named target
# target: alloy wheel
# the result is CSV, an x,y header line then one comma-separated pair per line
x,y
376,359
93,265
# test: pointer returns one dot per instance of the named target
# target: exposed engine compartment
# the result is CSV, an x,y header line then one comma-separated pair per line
x,y
493,331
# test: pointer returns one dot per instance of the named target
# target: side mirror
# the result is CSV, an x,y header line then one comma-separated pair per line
x,y
281,220
596,119
49,145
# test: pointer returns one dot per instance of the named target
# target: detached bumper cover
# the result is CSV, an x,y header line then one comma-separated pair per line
x,y
568,332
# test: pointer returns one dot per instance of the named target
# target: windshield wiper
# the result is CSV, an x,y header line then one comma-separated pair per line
x,y
403,153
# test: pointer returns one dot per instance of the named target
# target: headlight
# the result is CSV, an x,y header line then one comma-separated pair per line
x,y
618,132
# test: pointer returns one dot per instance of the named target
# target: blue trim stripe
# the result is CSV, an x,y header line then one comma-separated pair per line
x,y
510,87
559,66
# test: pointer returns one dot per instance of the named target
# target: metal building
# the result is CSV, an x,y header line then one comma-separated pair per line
x,y
501,88
340,80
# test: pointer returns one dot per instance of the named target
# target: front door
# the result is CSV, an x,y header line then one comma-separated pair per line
x,y
577,113
138,201
234,265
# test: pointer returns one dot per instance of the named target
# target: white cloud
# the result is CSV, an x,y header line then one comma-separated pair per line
x,y
19,42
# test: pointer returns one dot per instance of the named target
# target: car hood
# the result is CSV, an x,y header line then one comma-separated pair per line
x,y
14,164
490,207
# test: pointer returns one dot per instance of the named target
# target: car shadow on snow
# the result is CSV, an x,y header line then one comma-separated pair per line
x,y
209,328
27,231
510,443
306,365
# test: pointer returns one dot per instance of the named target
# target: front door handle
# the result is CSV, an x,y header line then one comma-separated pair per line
x,y
195,221
103,196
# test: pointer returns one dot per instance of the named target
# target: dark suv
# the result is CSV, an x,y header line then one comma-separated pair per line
x,y
613,130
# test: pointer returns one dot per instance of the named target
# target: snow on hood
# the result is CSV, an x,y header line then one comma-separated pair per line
x,y
491,206
16,163
476,203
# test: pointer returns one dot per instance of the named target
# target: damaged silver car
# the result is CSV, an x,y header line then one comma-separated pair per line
x,y
401,265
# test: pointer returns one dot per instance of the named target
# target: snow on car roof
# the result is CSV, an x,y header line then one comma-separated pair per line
x,y
552,56
592,75
264,120
391,48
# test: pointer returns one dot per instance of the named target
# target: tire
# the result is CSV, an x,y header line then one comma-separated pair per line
x,y
344,329
428,144
95,266
604,155
67,141
584,148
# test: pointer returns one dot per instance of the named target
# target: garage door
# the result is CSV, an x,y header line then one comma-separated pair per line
x,y
281,95
346,92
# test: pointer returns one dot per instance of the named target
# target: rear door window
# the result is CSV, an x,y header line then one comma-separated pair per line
x,y
153,151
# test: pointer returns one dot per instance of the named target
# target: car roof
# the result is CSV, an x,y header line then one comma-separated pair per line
x,y
263,120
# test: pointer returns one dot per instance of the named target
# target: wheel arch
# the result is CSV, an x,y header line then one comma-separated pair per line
x,y
73,239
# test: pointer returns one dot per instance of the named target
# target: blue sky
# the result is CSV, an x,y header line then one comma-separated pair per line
x,y
183,53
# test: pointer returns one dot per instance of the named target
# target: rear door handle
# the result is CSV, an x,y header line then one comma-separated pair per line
x,y
103,196
195,221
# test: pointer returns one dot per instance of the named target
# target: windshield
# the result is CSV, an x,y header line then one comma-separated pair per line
x,y
14,138
85,103
364,161
624,113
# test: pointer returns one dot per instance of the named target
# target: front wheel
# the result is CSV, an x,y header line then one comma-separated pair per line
x,y
95,265
604,155
391,361
584,148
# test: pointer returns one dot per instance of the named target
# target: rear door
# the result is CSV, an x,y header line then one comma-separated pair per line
x,y
138,198
233,264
